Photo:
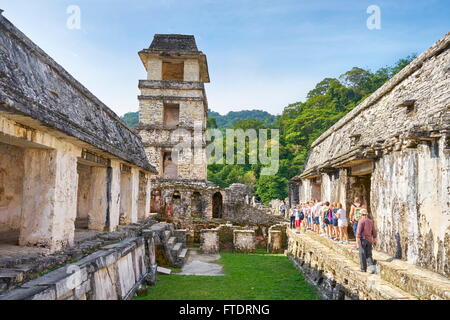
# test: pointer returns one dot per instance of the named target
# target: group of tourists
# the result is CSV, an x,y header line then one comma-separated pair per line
x,y
330,220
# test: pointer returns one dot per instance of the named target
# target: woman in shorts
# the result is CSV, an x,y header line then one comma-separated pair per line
x,y
342,224
335,221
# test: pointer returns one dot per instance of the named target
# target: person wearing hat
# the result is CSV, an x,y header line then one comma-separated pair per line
x,y
366,237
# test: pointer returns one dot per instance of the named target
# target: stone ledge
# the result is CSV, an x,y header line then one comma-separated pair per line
x,y
74,281
336,276
422,283
96,244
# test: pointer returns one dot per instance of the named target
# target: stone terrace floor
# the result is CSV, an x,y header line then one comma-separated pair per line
x,y
418,282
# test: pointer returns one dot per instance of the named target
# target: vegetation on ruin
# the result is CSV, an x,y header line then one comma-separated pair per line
x,y
300,124
257,276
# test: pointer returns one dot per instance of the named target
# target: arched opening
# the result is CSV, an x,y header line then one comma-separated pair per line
x,y
217,205
197,205
155,202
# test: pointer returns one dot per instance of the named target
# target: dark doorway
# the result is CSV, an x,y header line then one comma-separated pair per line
x,y
316,190
155,203
197,205
217,205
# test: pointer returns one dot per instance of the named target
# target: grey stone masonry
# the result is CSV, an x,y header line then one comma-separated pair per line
x,y
33,85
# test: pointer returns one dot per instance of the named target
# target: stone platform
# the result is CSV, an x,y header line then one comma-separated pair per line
x,y
334,269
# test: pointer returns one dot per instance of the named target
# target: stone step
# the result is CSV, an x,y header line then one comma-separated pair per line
x,y
183,254
9,278
419,282
167,235
171,242
379,288
176,249
180,234
182,257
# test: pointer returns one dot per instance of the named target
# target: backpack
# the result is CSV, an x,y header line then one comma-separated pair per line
x,y
357,215
330,215
302,215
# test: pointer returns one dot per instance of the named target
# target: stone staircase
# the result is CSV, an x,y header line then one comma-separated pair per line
x,y
170,243
397,274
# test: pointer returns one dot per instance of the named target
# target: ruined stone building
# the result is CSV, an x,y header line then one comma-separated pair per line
x,y
173,111
67,161
393,151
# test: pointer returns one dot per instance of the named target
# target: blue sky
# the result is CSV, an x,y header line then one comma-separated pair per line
x,y
261,54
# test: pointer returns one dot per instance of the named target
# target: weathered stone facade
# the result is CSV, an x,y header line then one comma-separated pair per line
x,y
111,273
64,153
60,142
334,270
244,241
393,151
209,241
172,104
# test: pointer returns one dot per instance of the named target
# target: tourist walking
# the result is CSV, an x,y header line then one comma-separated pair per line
x,y
316,215
342,224
334,224
282,210
292,218
355,214
299,216
366,237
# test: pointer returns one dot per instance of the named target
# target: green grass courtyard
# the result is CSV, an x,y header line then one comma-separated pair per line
x,y
258,276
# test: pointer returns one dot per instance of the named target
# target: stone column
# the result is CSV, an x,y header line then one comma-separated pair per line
x,y
129,197
134,194
148,196
209,206
244,241
99,200
50,197
209,241
275,242
114,197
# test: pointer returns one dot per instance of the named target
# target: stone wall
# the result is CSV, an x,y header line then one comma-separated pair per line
x,y
209,241
11,181
277,241
238,208
398,164
244,241
334,269
32,84
109,274
68,149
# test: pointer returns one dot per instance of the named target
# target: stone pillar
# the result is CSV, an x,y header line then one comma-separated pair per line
x,y
151,252
154,68
129,196
209,241
134,194
99,199
114,196
275,244
148,196
244,241
209,206
50,197
125,198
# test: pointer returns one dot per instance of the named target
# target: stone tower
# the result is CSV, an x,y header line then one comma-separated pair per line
x,y
174,108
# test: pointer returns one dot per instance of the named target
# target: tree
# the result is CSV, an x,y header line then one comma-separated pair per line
x,y
271,187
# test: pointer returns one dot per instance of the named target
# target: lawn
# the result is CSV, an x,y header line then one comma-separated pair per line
x,y
247,277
